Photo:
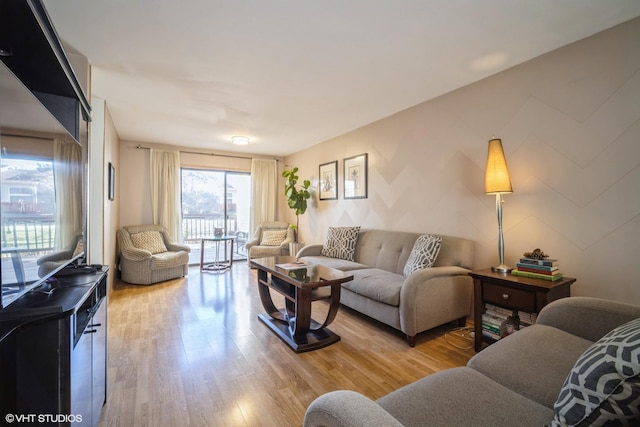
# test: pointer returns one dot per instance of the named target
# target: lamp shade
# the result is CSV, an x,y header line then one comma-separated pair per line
x,y
496,179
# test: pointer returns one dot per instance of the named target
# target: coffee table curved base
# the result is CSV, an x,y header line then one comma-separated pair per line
x,y
313,339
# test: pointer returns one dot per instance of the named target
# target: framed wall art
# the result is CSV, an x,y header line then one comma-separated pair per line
x,y
355,177
112,182
328,185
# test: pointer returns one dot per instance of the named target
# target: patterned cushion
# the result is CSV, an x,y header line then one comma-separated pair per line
x,y
273,237
424,253
150,241
604,385
341,242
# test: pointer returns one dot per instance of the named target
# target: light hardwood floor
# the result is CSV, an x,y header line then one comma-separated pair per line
x,y
192,352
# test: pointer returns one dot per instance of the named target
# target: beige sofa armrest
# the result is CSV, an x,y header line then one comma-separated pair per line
x,y
55,257
346,408
310,250
586,317
176,247
251,243
135,254
286,241
447,292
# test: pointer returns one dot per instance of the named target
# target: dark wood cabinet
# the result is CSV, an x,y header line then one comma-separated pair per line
x,y
523,294
53,366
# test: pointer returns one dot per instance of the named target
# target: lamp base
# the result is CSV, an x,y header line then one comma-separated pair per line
x,y
501,269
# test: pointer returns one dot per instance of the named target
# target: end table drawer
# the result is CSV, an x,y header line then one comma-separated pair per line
x,y
516,299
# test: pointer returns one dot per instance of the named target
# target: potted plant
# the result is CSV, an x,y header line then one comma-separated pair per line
x,y
297,200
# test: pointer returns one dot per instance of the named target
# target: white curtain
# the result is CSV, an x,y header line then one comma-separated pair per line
x,y
165,191
264,181
67,156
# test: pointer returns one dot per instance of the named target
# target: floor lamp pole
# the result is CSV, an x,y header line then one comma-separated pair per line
x,y
502,268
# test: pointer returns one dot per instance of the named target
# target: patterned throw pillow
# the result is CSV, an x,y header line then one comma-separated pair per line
x,y
341,243
604,385
150,241
273,237
424,253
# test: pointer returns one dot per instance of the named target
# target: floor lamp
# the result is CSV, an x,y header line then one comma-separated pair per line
x,y
496,181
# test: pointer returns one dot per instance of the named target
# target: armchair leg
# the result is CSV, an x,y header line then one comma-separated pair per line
x,y
462,321
411,339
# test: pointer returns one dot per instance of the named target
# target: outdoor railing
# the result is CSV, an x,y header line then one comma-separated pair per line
x,y
28,232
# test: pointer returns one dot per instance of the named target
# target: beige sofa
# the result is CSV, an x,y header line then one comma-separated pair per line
x,y
517,380
425,299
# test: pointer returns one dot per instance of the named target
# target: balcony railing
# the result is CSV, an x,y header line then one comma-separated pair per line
x,y
28,232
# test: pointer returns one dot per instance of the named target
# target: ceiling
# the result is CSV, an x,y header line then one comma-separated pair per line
x,y
291,74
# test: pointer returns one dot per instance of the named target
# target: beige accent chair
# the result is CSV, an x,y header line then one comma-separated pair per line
x,y
139,266
48,263
255,248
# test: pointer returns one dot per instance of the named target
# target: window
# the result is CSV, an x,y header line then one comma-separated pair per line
x,y
211,200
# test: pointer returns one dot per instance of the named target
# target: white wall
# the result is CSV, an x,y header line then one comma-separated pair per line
x,y
103,213
570,125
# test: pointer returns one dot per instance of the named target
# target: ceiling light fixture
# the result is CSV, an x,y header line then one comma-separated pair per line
x,y
240,140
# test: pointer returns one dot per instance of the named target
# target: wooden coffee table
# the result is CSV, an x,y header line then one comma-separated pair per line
x,y
300,285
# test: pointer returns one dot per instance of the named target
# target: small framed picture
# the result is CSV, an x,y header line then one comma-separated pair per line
x,y
355,177
112,182
328,185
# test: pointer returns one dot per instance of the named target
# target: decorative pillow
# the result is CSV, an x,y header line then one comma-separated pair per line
x,y
604,385
424,253
273,237
341,243
150,241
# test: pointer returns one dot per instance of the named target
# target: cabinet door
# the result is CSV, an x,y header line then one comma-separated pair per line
x,y
99,360
81,378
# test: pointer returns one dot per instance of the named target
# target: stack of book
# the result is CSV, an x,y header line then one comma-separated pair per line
x,y
495,320
546,269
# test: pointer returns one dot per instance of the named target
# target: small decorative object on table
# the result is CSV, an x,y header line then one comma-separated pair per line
x,y
218,232
538,265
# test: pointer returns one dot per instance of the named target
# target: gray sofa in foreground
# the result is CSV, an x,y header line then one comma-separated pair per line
x,y
517,380
425,299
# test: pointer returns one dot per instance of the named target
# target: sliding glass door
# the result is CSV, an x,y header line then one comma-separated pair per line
x,y
214,200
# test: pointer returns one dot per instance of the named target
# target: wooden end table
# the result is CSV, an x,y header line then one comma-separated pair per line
x,y
300,286
512,292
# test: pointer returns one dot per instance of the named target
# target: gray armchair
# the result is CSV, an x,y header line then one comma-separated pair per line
x,y
146,255
260,247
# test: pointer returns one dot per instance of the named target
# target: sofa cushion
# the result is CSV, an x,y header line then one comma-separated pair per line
x,y
536,371
604,385
424,253
149,240
164,260
273,237
341,243
338,264
462,397
376,284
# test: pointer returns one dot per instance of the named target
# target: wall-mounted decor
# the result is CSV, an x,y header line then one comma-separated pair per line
x,y
328,184
355,177
112,182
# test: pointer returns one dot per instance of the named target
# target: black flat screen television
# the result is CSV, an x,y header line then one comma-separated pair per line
x,y
43,155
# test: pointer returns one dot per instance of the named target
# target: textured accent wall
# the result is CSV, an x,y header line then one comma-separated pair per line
x,y
570,125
